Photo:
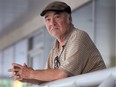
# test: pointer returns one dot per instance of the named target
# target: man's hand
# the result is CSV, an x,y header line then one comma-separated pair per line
x,y
21,72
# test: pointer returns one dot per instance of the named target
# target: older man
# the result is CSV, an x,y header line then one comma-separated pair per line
x,y
73,52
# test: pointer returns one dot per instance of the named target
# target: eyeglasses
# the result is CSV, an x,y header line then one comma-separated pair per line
x,y
56,62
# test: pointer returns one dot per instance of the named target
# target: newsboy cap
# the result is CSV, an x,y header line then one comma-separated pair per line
x,y
56,6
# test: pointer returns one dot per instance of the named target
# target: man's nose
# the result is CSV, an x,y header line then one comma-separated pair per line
x,y
53,22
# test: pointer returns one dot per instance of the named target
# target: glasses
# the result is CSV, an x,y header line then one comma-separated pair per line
x,y
56,62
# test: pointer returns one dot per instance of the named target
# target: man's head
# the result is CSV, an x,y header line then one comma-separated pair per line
x,y
57,18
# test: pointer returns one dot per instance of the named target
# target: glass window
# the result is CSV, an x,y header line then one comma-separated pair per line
x,y
21,49
41,44
105,28
7,60
38,61
83,19
1,65
38,39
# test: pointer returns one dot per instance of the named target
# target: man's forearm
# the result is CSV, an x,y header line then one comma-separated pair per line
x,y
32,81
47,75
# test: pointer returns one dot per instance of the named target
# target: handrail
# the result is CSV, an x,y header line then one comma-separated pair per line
x,y
88,79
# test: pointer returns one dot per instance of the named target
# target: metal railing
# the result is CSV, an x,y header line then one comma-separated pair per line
x,y
102,78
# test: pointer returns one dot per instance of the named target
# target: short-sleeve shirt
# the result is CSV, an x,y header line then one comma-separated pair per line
x,y
78,55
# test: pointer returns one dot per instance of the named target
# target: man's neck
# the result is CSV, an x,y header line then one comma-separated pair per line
x,y
62,39
61,42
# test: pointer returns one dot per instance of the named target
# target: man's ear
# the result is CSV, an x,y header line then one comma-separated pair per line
x,y
69,19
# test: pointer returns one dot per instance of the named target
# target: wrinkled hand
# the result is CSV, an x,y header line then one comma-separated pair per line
x,y
21,72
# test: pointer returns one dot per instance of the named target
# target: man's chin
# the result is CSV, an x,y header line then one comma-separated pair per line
x,y
55,35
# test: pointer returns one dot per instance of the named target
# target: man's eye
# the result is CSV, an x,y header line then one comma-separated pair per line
x,y
47,19
57,16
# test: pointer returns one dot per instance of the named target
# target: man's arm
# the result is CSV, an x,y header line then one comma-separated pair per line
x,y
48,74
32,81
28,74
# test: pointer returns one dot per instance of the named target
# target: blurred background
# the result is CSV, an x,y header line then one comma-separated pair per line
x,y
24,38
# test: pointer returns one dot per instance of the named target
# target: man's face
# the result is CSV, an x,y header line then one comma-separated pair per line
x,y
57,23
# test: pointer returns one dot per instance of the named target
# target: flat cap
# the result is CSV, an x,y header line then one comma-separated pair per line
x,y
56,6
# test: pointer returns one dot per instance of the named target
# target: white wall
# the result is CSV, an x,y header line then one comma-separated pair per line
x,y
105,28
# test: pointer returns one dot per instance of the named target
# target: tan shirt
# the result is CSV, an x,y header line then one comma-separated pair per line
x,y
78,55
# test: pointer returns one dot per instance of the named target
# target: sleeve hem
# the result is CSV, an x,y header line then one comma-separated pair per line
x,y
66,71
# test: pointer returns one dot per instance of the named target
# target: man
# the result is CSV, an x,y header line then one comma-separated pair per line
x,y
73,53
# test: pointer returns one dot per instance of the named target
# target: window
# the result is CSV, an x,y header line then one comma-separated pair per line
x,y
8,59
1,65
20,51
